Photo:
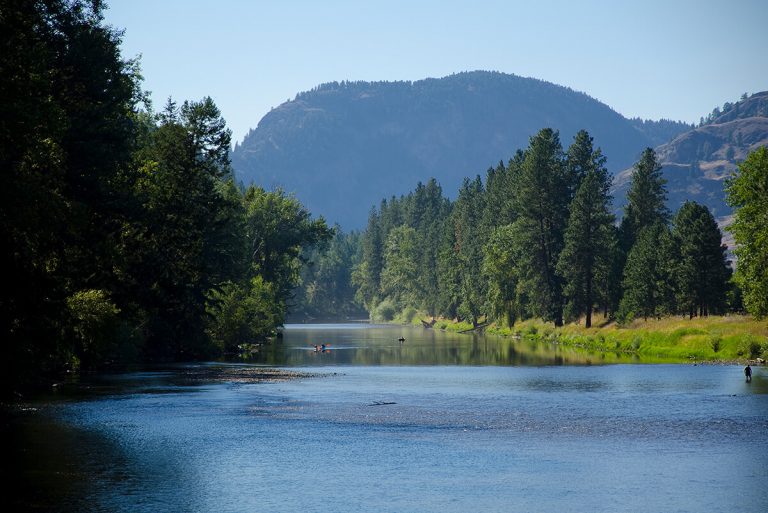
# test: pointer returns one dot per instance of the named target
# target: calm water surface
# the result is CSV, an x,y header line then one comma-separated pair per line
x,y
444,423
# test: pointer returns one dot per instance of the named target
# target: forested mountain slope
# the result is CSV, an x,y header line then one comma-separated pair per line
x,y
343,146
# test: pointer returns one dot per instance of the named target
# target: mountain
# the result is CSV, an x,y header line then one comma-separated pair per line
x,y
697,162
342,147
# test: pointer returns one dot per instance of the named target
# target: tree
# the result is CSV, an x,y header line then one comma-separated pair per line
x,y
582,158
701,273
589,240
647,288
398,278
500,267
748,194
66,133
326,289
188,238
278,228
541,202
645,199
466,222
427,211
366,276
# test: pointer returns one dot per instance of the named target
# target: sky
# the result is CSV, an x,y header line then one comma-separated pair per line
x,y
673,59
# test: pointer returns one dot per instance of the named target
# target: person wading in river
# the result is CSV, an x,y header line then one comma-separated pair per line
x,y
748,373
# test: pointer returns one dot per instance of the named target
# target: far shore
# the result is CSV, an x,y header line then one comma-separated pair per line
x,y
731,339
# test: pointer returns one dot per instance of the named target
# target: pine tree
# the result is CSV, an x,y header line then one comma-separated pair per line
x,y
582,158
701,274
466,222
645,200
366,276
589,242
647,288
541,202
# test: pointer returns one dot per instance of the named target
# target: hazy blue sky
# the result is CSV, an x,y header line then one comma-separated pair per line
x,y
650,58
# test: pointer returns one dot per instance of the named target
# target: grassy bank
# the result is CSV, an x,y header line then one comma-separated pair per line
x,y
730,338
714,338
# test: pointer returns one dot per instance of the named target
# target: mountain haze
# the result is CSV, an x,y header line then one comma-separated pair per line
x,y
342,147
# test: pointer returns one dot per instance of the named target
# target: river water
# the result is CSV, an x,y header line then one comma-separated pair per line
x,y
440,423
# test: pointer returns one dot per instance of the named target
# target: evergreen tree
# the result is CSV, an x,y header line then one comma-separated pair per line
x,y
366,276
398,278
748,194
701,274
541,203
645,199
589,240
503,274
582,158
449,271
647,288
466,221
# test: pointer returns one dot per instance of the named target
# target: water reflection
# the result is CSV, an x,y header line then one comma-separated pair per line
x,y
360,344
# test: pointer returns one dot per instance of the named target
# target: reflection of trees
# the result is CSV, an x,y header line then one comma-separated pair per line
x,y
379,346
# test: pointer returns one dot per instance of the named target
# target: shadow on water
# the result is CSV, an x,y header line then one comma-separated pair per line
x,y
52,466
191,438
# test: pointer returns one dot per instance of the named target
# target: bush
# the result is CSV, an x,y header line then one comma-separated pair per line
x,y
408,314
95,325
750,347
384,311
716,342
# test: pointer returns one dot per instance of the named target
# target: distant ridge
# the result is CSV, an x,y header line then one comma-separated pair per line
x,y
342,147
697,162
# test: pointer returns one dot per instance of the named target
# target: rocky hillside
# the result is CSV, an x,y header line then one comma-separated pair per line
x,y
342,147
697,162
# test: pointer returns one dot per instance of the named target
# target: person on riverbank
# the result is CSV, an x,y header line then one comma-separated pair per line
x,y
748,373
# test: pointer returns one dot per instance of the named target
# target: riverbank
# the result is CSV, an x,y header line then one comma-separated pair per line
x,y
733,338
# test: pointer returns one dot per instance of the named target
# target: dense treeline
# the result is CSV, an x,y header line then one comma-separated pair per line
x,y
123,233
325,291
537,239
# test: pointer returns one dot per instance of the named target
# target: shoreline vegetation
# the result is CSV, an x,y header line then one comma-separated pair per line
x,y
713,339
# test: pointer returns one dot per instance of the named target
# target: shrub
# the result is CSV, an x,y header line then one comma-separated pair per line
x,y
715,341
750,347
384,311
408,314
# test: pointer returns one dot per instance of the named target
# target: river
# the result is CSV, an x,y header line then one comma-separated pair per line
x,y
437,423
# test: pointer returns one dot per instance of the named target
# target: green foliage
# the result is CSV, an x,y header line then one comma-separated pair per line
x,y
122,231
326,290
94,325
239,315
701,271
384,311
648,292
538,240
398,278
542,196
465,221
66,122
590,238
500,267
645,199
748,194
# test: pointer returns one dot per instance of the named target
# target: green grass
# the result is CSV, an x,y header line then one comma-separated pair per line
x,y
714,338
730,338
